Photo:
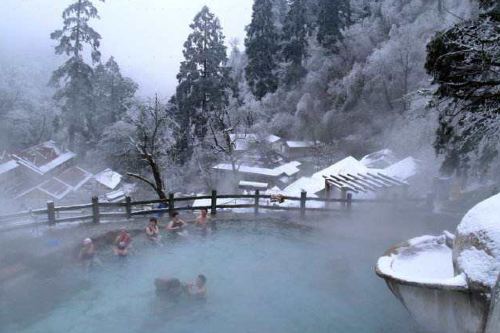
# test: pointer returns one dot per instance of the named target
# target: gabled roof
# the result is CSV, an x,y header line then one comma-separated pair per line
x,y
74,177
108,178
43,158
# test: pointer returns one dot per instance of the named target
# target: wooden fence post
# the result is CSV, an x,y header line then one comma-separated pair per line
x,y
51,212
343,196
95,210
256,205
213,203
128,207
171,203
303,196
349,201
328,193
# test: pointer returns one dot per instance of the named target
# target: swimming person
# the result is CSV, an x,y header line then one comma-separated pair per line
x,y
176,225
198,289
87,254
202,219
122,243
152,230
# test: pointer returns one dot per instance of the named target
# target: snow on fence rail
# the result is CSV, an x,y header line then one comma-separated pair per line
x,y
97,211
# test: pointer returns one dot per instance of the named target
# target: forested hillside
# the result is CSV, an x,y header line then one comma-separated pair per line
x,y
353,76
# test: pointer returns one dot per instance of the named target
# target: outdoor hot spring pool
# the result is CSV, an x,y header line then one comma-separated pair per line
x,y
262,277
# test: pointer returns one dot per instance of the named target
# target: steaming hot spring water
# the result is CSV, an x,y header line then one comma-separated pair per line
x,y
262,277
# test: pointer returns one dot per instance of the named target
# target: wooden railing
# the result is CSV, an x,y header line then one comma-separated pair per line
x,y
97,211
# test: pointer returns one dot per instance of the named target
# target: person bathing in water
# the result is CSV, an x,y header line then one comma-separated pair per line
x,y
198,289
122,243
173,288
152,230
176,225
203,219
87,253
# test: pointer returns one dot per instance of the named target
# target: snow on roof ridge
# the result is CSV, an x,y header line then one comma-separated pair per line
x,y
289,169
403,169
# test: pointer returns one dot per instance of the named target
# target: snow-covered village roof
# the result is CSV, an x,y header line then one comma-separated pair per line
x,y
289,169
55,188
258,185
8,166
108,178
74,177
299,144
379,159
243,141
44,157
403,169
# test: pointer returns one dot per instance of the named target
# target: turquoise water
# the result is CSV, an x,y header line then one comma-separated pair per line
x,y
261,278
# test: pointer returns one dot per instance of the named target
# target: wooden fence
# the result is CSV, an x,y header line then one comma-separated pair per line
x,y
97,211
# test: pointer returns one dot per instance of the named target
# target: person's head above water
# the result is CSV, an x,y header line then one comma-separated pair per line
x,y
175,215
201,280
123,230
153,220
87,241
204,212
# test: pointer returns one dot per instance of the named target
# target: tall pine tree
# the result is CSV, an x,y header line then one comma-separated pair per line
x,y
203,81
262,50
113,95
73,79
294,48
333,16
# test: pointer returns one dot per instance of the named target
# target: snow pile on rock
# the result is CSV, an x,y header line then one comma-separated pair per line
x,y
477,245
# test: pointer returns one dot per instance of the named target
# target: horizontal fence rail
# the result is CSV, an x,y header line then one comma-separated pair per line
x,y
96,211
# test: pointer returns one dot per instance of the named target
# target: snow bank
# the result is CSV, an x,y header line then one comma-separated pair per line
x,y
477,244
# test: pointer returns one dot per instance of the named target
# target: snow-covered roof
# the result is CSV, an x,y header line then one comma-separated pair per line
x,y
289,169
242,141
44,157
403,169
379,159
300,144
309,184
347,165
74,177
258,185
108,178
8,166
55,188
272,138
115,196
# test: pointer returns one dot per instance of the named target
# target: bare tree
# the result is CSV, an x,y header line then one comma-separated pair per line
x,y
150,143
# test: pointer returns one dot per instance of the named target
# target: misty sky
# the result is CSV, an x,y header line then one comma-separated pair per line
x,y
145,36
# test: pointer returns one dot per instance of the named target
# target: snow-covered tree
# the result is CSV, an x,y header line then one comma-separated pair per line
x,y
113,95
465,63
73,79
294,41
333,16
203,79
262,50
